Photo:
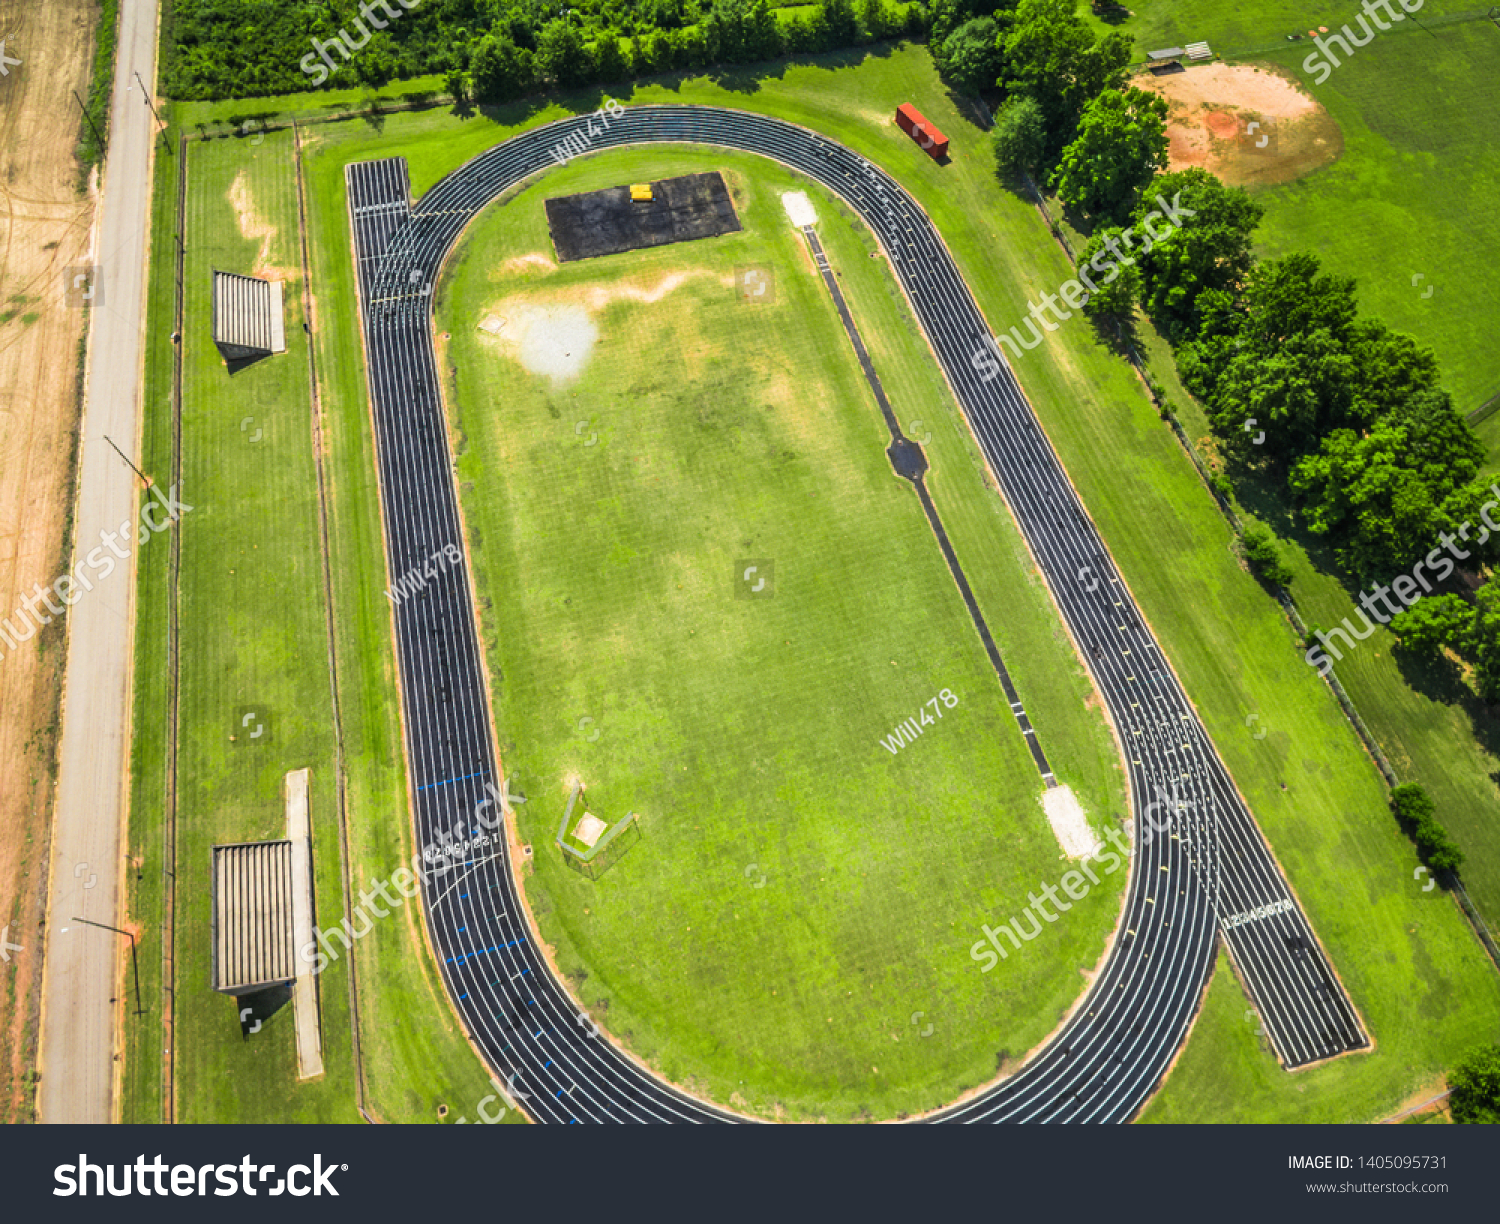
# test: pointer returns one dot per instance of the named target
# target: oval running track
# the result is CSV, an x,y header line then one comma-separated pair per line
x,y
1207,871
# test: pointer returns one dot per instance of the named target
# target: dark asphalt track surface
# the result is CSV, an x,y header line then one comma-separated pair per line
x,y
1205,872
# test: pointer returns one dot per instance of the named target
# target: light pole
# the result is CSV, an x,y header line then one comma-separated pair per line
x,y
134,964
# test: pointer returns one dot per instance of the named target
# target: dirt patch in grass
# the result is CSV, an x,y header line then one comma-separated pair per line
x,y
533,259
1431,1098
1069,823
257,229
1246,123
553,334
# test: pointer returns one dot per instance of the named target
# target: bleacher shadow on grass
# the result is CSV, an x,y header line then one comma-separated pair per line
x,y
259,1006
244,363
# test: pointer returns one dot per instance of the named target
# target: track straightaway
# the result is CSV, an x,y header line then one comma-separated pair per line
x,y
1202,870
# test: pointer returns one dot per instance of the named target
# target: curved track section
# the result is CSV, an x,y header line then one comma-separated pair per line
x,y
1201,865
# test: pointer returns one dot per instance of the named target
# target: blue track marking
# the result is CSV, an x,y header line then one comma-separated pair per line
x,y
451,781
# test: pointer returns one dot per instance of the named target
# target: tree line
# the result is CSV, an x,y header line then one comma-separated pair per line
x,y
1344,420
496,50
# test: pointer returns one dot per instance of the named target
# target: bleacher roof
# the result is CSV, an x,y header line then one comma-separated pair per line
x,y
247,315
252,916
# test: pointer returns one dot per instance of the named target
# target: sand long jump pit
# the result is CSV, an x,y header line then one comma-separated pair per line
x,y
1246,123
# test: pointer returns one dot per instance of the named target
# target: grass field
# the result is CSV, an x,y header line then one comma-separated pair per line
x,y
252,632
799,893
143,1076
1418,182
1409,960
1414,193
253,605
1252,28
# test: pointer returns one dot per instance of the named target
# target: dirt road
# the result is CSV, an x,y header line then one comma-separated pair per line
x,y
82,970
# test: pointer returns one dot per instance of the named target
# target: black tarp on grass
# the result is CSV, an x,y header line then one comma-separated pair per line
x,y
607,222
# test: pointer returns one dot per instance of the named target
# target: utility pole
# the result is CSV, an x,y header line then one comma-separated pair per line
x,y
147,93
145,480
134,964
90,120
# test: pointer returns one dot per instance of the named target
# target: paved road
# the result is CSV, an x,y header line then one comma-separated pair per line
x,y
79,976
1208,871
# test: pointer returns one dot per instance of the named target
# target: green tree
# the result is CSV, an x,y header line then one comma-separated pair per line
x,y
1211,249
1412,803
663,14
1433,623
561,55
653,52
805,34
724,32
875,16
763,38
1117,284
1279,405
1393,368
1278,352
1384,494
609,59
376,64
1264,558
970,58
1476,1087
1485,639
1054,56
501,71
1416,814
1020,134
457,85
944,17
741,32
1121,144
689,50
836,24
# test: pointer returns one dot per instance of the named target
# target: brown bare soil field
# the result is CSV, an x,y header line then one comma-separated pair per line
x,y
1212,108
45,226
